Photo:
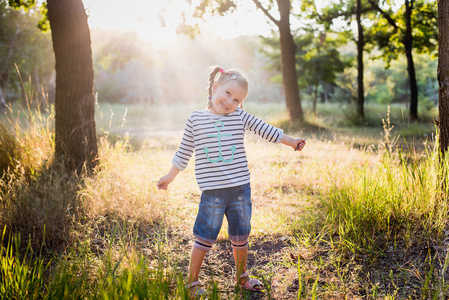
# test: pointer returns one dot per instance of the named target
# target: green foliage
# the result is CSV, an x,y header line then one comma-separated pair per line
x,y
318,59
390,85
82,274
22,274
214,7
387,203
44,23
21,3
24,48
329,13
270,47
390,38
320,63
201,10
425,24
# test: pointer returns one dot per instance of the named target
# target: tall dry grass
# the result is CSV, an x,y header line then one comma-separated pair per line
x,y
115,235
37,192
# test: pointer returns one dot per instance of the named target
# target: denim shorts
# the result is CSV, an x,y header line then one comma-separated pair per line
x,y
235,203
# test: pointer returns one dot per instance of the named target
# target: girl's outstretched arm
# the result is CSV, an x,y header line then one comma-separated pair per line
x,y
167,179
295,143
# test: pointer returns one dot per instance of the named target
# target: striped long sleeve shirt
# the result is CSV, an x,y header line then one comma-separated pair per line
x,y
217,141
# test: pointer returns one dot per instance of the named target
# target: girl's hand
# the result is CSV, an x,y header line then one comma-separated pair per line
x,y
164,182
300,144
295,143
167,179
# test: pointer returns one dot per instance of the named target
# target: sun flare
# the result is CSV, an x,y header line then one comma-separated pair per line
x,y
152,20
157,21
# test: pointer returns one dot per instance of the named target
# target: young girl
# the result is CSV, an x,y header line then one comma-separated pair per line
x,y
216,134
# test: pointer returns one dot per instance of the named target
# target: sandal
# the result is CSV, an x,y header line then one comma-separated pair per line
x,y
195,289
252,284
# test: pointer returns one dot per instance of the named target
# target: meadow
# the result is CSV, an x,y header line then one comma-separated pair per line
x,y
360,213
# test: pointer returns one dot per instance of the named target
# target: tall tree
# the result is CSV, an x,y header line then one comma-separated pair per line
x,y
418,17
443,74
288,62
75,135
348,10
360,46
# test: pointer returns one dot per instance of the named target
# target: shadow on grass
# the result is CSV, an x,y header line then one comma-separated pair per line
x,y
40,206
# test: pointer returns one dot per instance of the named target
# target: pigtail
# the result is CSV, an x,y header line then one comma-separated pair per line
x,y
211,83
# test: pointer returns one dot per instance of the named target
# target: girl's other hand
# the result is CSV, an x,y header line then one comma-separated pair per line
x,y
300,143
167,179
164,182
295,143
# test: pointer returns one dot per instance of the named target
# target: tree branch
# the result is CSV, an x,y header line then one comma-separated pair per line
x,y
336,13
384,14
266,12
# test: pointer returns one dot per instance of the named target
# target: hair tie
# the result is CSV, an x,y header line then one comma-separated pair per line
x,y
233,76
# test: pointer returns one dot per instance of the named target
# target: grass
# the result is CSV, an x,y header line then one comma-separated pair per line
x,y
22,273
359,214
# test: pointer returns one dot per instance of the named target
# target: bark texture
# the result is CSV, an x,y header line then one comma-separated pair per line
x,y
360,46
408,45
75,135
443,73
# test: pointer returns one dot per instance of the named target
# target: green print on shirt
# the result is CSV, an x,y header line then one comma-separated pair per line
x,y
219,126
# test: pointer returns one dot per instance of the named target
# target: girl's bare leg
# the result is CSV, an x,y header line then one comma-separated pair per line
x,y
240,258
196,260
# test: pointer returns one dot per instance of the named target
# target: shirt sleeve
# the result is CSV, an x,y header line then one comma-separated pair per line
x,y
185,151
259,127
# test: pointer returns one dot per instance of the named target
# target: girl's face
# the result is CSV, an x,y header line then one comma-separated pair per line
x,y
227,97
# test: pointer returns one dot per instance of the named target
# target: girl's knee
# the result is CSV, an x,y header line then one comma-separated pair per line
x,y
203,244
239,245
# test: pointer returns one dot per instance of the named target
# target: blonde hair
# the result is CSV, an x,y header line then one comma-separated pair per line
x,y
221,76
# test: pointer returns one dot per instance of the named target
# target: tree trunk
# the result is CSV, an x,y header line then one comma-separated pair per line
x,y
288,59
288,63
360,46
75,136
408,44
443,74
407,40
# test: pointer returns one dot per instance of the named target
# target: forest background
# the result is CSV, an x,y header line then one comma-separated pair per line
x,y
131,69
358,216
